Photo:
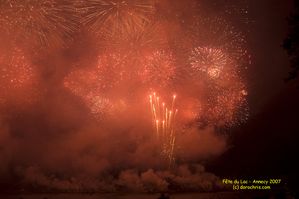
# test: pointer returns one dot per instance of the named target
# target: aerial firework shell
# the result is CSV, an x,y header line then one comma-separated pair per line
x,y
95,84
190,110
224,89
158,70
18,79
119,16
208,60
226,105
108,72
44,23
217,63
215,32
99,106
111,70
149,37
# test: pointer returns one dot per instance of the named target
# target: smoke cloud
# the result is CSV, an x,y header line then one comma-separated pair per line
x,y
64,126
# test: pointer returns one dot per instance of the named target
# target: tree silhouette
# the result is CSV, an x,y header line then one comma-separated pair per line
x,y
290,44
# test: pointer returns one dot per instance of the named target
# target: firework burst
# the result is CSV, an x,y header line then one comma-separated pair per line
x,y
208,60
107,74
119,16
227,107
216,66
94,83
100,107
47,23
218,33
158,70
223,102
18,79
150,37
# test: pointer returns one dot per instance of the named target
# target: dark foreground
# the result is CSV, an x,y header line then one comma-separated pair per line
x,y
248,195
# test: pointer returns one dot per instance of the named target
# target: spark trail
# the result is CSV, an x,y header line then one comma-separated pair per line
x,y
163,119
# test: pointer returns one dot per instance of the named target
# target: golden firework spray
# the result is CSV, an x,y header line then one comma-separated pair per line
x,y
163,121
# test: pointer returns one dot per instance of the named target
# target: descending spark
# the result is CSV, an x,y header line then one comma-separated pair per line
x,y
164,119
48,23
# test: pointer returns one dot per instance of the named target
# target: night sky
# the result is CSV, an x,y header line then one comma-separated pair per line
x,y
266,144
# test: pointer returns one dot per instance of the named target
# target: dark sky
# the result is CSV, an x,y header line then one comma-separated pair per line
x,y
270,61
266,144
